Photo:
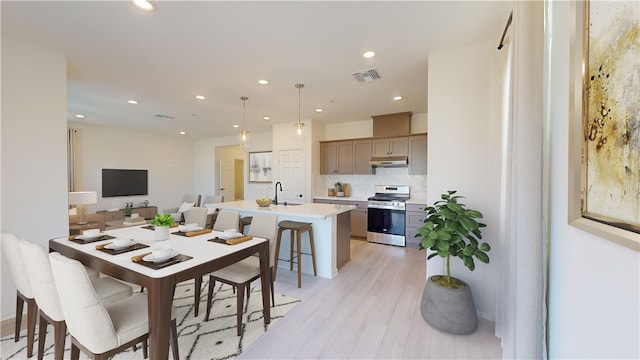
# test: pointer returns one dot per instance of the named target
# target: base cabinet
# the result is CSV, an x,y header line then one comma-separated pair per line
x,y
358,215
415,216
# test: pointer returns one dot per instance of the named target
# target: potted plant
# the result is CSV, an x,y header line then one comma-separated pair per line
x,y
339,189
162,223
451,231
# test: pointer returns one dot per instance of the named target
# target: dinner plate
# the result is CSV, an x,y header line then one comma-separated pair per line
x,y
151,258
112,246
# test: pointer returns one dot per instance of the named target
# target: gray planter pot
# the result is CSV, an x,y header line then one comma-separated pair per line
x,y
449,310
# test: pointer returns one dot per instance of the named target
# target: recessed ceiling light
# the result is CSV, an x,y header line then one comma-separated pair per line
x,y
200,97
397,98
80,116
182,133
368,54
143,4
263,82
236,125
266,118
133,102
318,110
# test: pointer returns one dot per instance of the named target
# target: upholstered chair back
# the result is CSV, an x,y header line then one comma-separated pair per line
x,y
13,258
87,318
227,219
265,226
196,215
36,259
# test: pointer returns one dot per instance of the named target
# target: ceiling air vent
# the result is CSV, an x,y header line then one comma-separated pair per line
x,y
366,75
162,116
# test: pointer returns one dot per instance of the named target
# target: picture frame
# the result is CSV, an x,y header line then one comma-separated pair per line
x,y
602,158
260,167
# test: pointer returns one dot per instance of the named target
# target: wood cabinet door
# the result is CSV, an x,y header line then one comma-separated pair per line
x,y
328,158
418,155
361,157
380,147
399,146
344,160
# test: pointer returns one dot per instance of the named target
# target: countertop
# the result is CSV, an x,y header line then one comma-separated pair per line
x,y
311,210
341,198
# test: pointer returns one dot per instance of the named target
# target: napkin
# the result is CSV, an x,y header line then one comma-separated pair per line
x,y
238,240
101,246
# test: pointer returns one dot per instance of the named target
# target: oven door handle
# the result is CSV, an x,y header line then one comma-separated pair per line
x,y
385,207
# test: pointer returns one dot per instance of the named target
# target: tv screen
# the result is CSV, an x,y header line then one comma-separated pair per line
x,y
124,182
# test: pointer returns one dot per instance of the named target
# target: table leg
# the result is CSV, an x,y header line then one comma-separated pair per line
x,y
160,300
265,279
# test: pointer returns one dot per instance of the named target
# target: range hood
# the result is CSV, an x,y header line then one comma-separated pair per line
x,y
389,161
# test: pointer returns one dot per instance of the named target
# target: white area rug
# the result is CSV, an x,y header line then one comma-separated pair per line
x,y
213,339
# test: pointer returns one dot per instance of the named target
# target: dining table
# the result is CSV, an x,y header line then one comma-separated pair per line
x,y
194,255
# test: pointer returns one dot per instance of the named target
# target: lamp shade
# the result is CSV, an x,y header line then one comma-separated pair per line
x,y
83,197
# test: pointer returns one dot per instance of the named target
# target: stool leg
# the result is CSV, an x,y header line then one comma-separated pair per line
x,y
291,251
275,260
313,253
299,233
19,310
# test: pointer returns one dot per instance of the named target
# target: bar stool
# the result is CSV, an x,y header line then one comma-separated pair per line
x,y
244,221
298,228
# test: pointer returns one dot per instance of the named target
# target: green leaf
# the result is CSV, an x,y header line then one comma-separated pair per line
x,y
468,250
432,255
468,262
482,256
427,243
485,247
473,213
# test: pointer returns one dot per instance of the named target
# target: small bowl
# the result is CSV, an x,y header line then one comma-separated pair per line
x,y
162,252
91,233
121,241
263,203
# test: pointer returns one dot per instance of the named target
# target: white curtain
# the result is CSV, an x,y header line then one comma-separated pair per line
x,y
71,158
520,313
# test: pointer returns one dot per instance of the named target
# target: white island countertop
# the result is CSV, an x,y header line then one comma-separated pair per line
x,y
311,210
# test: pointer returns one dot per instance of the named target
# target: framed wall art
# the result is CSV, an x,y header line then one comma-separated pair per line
x,y
605,144
260,166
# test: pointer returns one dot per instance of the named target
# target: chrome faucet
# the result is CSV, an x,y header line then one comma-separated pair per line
x,y
275,200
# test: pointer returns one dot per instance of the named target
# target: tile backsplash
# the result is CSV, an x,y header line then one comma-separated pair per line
x,y
362,186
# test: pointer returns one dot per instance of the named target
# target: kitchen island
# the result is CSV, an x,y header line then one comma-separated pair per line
x,y
331,231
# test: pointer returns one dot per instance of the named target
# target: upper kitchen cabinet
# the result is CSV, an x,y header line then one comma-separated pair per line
x,y
345,157
418,155
336,157
395,146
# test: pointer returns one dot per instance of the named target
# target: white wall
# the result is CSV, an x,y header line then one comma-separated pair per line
x,y
594,303
169,160
458,158
34,149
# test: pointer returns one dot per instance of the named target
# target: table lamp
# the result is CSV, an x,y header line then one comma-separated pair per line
x,y
81,199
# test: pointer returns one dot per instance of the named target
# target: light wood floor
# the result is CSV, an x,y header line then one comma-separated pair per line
x,y
370,310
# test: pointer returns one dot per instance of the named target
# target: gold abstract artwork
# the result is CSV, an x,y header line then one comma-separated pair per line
x,y
612,116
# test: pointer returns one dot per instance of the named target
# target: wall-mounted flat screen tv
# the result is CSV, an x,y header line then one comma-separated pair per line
x,y
124,182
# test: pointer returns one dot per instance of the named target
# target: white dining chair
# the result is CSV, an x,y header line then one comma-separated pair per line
x,y
101,330
227,219
196,215
36,259
24,293
241,274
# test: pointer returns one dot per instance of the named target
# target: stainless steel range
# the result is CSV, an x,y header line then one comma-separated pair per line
x,y
386,214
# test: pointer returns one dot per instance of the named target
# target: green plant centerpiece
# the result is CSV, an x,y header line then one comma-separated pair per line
x,y
451,231
162,220
162,223
338,186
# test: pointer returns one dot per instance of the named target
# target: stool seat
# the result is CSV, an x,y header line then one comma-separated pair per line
x,y
296,228
296,225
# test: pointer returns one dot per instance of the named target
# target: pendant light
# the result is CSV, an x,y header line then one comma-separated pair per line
x,y
299,125
244,134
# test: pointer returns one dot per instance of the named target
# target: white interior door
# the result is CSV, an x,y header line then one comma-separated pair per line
x,y
292,170
227,185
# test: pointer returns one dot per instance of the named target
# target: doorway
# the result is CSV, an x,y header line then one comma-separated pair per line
x,y
230,172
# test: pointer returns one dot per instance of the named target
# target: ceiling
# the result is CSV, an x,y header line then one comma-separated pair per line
x,y
117,52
